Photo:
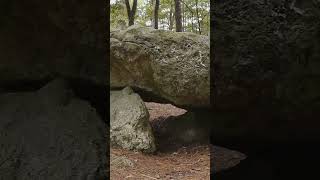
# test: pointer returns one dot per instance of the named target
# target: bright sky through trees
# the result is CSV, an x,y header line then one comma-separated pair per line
x,y
195,14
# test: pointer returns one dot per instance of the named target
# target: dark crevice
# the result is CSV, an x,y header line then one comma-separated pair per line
x,y
23,85
147,96
97,95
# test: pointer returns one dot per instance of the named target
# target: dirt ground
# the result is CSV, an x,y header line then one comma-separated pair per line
x,y
174,160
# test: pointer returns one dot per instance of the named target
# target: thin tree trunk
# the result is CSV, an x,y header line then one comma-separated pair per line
x,y
131,11
178,16
151,17
168,22
192,25
162,22
198,18
183,17
134,10
171,17
192,16
156,14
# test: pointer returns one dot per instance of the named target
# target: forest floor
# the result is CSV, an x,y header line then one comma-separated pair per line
x,y
173,160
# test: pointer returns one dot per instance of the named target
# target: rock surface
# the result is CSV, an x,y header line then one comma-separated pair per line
x,y
266,52
224,158
174,66
50,134
57,38
129,122
266,68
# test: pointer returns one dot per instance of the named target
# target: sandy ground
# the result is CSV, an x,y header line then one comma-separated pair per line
x,y
173,160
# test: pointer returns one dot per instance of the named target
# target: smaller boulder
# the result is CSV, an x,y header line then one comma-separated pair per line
x,y
129,122
224,158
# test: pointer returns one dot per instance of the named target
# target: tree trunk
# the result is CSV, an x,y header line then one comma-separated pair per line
x,y
156,14
151,17
171,17
162,22
178,15
192,25
168,22
131,11
183,16
198,18
192,16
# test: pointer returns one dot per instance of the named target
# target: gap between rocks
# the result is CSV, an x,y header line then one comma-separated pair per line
x,y
181,152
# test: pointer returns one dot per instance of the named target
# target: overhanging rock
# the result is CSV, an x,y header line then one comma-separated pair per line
x,y
174,66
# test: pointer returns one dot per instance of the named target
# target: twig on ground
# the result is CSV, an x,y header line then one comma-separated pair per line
x,y
191,164
148,176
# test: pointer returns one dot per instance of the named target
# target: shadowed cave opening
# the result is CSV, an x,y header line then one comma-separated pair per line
x,y
174,127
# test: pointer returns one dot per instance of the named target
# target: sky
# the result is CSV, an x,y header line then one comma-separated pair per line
x,y
139,1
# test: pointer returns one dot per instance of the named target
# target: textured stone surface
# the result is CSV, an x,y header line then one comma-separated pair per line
x,y
49,134
266,68
174,66
266,51
129,122
223,158
57,38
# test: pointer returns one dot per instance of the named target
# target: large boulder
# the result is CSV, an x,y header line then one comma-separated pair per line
x,y
57,38
50,134
266,52
174,66
266,68
129,122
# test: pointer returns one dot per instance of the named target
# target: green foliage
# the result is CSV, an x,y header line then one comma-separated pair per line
x,y
144,14
118,14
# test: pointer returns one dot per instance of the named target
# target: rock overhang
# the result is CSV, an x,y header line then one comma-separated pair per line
x,y
174,66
